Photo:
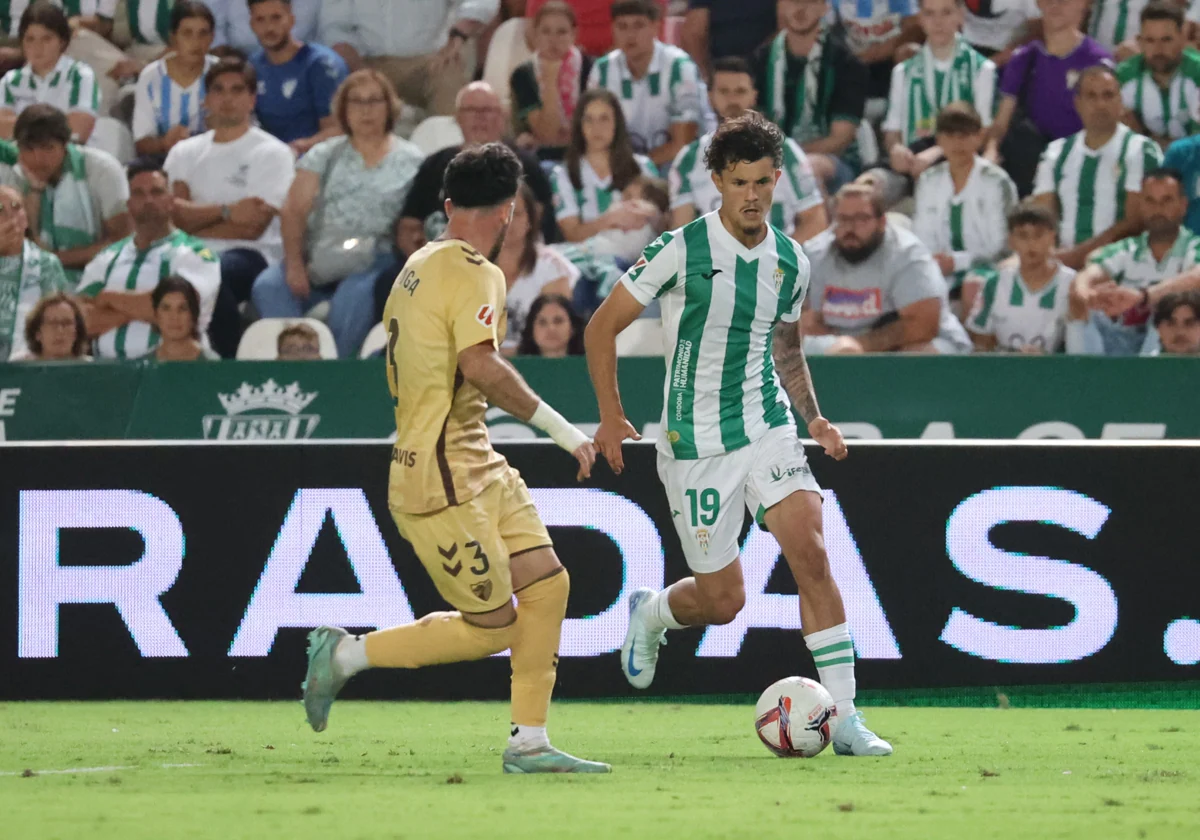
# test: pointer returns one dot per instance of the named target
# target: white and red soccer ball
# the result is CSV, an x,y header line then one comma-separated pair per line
x,y
795,718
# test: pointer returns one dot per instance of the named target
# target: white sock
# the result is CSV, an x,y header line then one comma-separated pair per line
x,y
350,657
659,612
833,651
528,738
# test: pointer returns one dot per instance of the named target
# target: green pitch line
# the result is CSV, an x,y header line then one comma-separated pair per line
x,y
685,771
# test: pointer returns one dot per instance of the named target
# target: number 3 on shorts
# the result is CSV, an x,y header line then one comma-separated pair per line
x,y
703,505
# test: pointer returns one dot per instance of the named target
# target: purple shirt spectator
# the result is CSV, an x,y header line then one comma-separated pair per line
x,y
1049,100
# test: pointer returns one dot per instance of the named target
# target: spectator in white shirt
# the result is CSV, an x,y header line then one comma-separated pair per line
x,y
229,184
417,44
49,75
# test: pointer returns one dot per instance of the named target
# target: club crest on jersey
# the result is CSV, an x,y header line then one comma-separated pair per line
x,y
486,315
778,279
483,590
702,538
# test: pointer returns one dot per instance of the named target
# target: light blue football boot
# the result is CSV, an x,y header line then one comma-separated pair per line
x,y
639,651
322,682
549,760
853,738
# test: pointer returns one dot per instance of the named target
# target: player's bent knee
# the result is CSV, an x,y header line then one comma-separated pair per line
x,y
724,608
497,619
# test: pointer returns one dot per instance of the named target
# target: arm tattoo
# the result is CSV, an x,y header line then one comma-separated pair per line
x,y
793,370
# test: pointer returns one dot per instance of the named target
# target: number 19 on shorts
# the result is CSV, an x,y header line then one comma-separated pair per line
x,y
703,506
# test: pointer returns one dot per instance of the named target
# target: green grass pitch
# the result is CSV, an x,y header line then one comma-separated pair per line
x,y
681,772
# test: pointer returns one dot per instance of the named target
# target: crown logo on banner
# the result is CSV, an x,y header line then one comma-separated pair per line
x,y
270,396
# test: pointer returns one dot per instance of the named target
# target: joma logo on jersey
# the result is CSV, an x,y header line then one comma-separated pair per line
x,y
404,457
269,412
486,315
852,303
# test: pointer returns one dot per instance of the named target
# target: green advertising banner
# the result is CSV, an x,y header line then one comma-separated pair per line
x,y
869,397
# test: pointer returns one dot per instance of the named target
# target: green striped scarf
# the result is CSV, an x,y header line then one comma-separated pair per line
x,y
810,120
930,90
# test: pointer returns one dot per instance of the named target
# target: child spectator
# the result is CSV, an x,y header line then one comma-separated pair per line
x,y
298,343
1177,320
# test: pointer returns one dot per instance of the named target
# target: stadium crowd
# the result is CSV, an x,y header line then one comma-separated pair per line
x,y
183,180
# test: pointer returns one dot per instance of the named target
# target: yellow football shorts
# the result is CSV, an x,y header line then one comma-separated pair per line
x,y
466,548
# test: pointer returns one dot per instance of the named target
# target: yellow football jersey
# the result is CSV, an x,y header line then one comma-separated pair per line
x,y
447,298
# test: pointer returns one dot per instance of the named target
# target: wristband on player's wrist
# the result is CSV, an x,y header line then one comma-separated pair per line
x,y
557,427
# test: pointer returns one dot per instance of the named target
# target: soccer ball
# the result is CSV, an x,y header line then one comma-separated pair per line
x,y
795,718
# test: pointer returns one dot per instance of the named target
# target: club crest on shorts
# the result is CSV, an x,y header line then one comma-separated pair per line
x,y
702,538
778,279
486,315
482,590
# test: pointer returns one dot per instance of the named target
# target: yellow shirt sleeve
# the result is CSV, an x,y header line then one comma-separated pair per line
x,y
477,308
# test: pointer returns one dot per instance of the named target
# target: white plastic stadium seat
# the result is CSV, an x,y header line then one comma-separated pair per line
x,y
376,340
435,134
505,52
114,137
644,337
259,341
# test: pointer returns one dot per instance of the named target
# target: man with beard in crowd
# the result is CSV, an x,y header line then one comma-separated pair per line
x,y
875,287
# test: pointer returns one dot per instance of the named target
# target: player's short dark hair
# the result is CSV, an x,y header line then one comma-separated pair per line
x,y
641,8
175,283
41,125
482,176
142,165
958,118
749,138
185,9
733,64
1103,68
49,16
1029,213
1165,173
1166,307
236,65
1163,10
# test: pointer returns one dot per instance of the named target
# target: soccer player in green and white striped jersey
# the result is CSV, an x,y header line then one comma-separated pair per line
x,y
1092,179
120,279
731,288
1161,85
946,69
49,76
1111,299
799,209
1022,308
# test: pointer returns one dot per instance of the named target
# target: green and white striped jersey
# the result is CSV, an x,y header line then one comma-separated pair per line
x,y
70,87
692,185
1091,184
1017,317
25,279
11,11
149,20
1130,262
671,92
970,225
1173,112
720,304
1116,21
121,267
922,86
594,196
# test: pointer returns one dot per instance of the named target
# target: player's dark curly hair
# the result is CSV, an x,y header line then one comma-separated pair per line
x,y
749,138
483,176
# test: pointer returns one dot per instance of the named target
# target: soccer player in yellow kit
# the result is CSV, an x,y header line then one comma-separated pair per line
x,y
466,512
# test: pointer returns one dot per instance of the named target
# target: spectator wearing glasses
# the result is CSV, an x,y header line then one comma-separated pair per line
x,y
49,76
416,44
229,184
1112,299
27,273
875,288
296,79
168,104
119,282
657,85
337,218
54,332
74,195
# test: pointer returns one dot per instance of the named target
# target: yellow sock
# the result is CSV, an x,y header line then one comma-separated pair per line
x,y
541,607
437,638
